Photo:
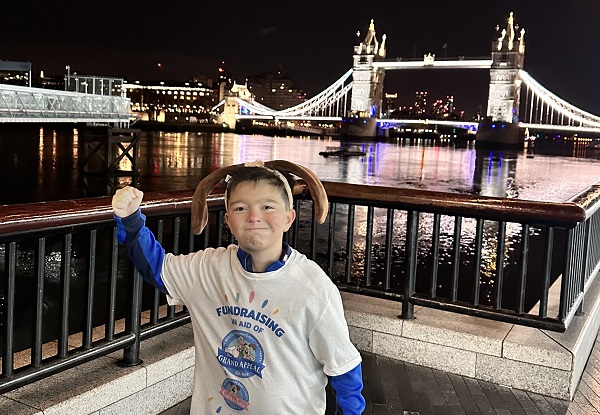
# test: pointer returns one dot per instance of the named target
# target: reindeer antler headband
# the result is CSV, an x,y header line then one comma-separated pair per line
x,y
200,207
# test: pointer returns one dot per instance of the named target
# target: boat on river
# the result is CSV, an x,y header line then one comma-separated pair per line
x,y
343,151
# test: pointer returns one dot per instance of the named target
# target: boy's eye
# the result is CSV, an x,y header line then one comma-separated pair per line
x,y
267,207
239,209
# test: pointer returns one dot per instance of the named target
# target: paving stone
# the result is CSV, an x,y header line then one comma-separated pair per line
x,y
394,387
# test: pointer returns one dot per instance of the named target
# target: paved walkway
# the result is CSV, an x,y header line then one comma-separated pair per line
x,y
393,387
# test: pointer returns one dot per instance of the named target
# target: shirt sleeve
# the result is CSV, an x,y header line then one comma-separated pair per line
x,y
144,250
330,341
348,388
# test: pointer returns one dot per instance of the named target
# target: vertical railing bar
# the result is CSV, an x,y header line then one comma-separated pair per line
x,y
10,264
131,354
576,263
547,272
160,234
523,268
456,257
296,225
91,283
313,233
176,235
369,245
40,268
389,227
65,282
350,243
435,255
109,332
584,261
410,281
566,299
206,236
331,239
191,237
477,262
220,221
500,264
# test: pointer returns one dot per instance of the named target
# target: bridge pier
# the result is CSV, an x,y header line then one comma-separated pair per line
x,y
358,127
108,153
499,134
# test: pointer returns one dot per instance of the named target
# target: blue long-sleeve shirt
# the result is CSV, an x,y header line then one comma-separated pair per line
x,y
148,255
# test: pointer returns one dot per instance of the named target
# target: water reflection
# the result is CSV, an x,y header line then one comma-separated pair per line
x,y
41,164
495,173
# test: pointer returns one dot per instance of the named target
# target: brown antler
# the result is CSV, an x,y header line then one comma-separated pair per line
x,y
199,205
317,191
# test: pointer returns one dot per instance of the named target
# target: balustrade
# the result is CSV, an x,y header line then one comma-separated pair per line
x,y
70,295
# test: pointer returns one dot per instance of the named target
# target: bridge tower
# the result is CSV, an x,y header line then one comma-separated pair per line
x,y
501,124
367,87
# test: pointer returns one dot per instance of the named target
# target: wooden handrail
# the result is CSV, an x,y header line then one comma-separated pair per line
x,y
40,215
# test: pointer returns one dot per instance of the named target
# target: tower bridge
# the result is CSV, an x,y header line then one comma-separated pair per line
x,y
515,100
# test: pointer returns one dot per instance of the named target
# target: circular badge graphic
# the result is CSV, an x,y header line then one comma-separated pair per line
x,y
235,394
241,354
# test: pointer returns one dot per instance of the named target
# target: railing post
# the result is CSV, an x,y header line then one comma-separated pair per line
x,y
131,354
412,225
584,260
566,295
10,264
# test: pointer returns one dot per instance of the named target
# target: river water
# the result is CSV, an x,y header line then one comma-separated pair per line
x,y
40,164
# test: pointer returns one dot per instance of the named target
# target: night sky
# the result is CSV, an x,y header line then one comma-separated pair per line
x,y
310,41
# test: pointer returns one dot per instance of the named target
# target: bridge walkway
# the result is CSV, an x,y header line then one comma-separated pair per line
x,y
393,387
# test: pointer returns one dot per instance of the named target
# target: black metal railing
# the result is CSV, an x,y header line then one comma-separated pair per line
x,y
69,293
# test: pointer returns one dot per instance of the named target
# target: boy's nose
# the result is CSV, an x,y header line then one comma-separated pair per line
x,y
254,215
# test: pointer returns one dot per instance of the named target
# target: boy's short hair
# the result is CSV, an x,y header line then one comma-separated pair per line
x,y
277,179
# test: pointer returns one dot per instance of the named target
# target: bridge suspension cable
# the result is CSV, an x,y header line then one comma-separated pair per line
x,y
543,107
332,102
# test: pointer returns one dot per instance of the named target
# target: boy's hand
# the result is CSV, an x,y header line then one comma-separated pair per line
x,y
126,201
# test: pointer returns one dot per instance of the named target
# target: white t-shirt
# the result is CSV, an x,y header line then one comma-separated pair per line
x,y
264,341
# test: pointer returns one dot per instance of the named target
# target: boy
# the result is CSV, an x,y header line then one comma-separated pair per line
x,y
268,323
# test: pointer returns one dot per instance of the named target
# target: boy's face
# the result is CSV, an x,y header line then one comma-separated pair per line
x,y
257,217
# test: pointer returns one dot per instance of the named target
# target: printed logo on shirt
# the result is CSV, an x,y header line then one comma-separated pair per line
x,y
241,354
241,315
235,394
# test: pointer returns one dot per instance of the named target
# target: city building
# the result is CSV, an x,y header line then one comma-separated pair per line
x,y
390,103
420,106
275,91
449,104
171,101
15,73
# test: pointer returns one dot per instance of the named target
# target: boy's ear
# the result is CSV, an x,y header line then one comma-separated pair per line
x,y
291,216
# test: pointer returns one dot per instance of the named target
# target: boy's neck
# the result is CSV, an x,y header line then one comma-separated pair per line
x,y
255,264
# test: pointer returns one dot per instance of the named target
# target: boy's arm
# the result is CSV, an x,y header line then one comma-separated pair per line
x,y
348,387
145,252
